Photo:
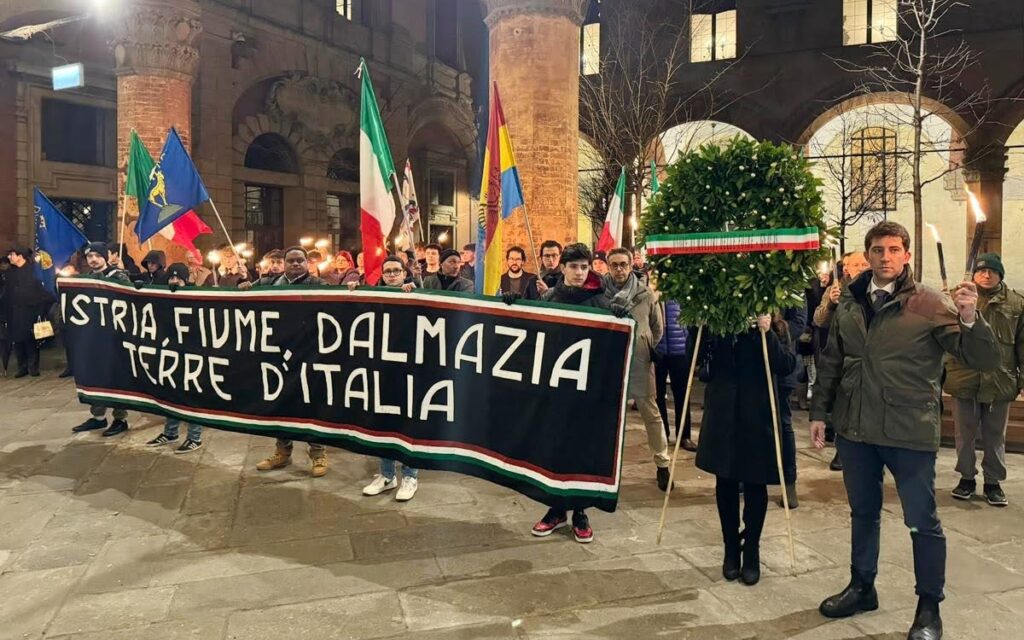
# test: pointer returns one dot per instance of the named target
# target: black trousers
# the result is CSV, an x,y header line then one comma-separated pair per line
x,y
755,506
914,473
677,370
788,437
27,353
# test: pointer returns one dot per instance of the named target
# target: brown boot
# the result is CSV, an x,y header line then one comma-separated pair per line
x,y
319,460
280,459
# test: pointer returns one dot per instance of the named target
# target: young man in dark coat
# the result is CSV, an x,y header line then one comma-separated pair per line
x,y
581,287
550,265
25,300
447,277
517,281
97,257
296,273
736,440
153,268
879,380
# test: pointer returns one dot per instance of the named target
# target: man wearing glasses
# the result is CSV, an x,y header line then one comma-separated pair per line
x,y
626,294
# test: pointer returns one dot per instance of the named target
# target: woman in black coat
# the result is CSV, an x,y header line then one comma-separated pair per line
x,y
24,301
736,440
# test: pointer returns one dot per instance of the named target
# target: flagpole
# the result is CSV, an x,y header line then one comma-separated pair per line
x,y
220,220
120,230
529,234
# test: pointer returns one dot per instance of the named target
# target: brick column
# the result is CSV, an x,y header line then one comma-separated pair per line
x,y
156,62
534,59
984,174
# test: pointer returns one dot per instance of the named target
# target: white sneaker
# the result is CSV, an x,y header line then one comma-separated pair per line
x,y
379,485
407,490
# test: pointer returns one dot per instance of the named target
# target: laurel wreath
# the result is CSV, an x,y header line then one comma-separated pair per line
x,y
743,185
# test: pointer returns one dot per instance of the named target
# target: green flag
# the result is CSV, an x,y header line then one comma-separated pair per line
x,y
140,169
654,178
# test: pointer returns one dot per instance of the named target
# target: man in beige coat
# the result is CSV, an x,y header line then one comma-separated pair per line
x,y
625,293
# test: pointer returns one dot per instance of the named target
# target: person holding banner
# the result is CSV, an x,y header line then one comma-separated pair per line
x,y
393,275
98,257
737,443
447,277
296,273
581,287
625,295
177,276
197,273
25,300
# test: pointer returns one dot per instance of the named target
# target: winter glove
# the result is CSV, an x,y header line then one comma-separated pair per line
x,y
172,287
510,298
139,284
620,312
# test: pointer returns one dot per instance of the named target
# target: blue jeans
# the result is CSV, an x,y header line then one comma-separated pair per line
x,y
387,469
195,432
914,473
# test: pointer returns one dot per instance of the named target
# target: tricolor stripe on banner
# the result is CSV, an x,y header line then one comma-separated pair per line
x,y
803,239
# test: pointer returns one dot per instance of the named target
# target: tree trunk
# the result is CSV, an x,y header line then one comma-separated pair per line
x,y
916,158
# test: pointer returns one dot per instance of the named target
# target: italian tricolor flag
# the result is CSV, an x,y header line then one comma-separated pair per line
x,y
376,171
611,234
801,239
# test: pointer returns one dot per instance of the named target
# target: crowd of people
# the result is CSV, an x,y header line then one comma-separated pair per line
x,y
867,355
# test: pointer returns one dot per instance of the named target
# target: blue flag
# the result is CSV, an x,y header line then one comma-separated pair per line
x,y
175,188
57,239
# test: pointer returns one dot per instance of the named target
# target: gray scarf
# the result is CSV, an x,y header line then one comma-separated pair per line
x,y
621,298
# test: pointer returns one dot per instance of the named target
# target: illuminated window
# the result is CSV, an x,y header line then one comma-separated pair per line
x,y
344,8
869,21
873,172
590,49
712,36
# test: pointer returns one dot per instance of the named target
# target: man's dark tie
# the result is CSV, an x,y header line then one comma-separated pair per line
x,y
881,297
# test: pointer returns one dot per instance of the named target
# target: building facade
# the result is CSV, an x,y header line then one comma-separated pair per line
x,y
263,92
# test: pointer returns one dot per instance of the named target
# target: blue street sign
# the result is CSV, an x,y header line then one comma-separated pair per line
x,y
68,76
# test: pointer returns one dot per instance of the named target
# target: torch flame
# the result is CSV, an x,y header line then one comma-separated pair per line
x,y
935,231
213,257
823,267
979,215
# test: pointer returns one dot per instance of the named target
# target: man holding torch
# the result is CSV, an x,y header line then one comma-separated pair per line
x,y
879,380
981,399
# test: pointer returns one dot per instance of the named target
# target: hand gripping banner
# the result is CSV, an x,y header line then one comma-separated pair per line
x,y
529,396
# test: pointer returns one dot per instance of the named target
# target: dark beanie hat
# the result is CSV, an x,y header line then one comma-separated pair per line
x,y
991,261
447,253
178,270
22,251
97,247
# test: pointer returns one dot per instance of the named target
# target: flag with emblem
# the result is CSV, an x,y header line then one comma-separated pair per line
x,y
174,189
183,230
57,239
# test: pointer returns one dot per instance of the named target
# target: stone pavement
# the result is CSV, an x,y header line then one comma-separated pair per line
x,y
112,540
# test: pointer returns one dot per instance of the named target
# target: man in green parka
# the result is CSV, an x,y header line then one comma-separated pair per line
x,y
981,399
879,379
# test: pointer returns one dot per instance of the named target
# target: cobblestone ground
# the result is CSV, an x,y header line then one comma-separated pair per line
x,y
112,540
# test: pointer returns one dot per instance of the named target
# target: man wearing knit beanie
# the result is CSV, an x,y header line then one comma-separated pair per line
x,y
982,399
97,256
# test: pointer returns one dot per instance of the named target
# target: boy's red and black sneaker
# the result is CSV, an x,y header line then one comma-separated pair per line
x,y
581,530
552,520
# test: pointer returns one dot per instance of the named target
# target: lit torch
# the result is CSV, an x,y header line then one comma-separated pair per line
x,y
979,230
322,244
306,242
942,256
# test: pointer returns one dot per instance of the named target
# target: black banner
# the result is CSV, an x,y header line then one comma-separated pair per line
x,y
530,396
